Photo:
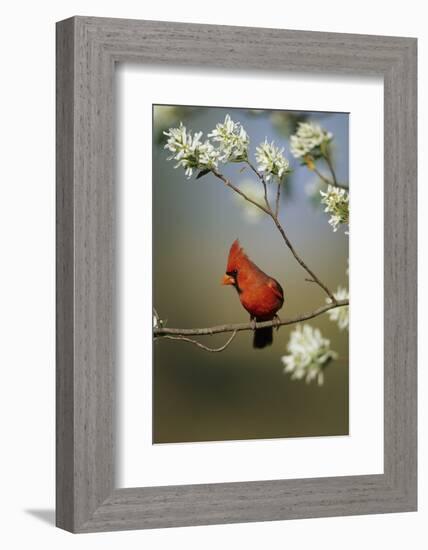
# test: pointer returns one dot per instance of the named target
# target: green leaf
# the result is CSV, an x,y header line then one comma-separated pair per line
x,y
203,173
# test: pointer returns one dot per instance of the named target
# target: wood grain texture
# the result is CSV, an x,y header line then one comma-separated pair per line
x,y
64,278
87,49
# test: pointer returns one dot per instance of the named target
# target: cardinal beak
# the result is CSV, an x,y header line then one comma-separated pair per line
x,y
227,280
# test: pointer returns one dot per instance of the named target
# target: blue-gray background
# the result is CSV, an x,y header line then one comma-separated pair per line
x,y
241,393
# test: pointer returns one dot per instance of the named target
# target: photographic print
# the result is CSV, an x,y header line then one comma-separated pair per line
x,y
250,274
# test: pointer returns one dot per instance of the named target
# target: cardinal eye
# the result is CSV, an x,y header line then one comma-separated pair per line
x,y
233,273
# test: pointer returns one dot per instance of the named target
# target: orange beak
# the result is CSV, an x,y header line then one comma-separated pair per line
x,y
227,280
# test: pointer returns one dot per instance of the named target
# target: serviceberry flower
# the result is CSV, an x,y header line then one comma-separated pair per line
x,y
309,354
308,138
337,205
232,140
189,151
271,161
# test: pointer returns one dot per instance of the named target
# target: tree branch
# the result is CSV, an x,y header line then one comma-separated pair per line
x,y
198,344
238,327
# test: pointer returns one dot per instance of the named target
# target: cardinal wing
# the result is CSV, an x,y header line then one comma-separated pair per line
x,y
276,288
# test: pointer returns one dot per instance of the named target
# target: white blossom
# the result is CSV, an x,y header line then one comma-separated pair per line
x,y
232,140
308,137
340,315
271,161
337,205
189,151
309,354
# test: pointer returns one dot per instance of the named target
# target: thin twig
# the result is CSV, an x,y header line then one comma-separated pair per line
x,y
264,183
254,169
330,165
198,344
333,174
278,195
300,261
327,181
321,176
228,183
238,327
266,195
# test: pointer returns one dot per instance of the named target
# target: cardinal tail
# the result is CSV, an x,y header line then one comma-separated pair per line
x,y
263,337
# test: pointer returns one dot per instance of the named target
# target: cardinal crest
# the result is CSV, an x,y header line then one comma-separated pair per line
x,y
236,255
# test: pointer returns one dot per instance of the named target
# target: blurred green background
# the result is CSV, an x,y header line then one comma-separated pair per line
x,y
241,393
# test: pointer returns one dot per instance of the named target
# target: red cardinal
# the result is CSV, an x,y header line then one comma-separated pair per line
x,y
260,294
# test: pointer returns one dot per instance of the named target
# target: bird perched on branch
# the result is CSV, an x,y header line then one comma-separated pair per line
x,y
261,295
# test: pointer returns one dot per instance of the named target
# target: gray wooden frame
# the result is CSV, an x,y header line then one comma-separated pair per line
x,y
87,50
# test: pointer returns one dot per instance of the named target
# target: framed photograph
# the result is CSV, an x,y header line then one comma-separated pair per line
x,y
230,346
233,224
